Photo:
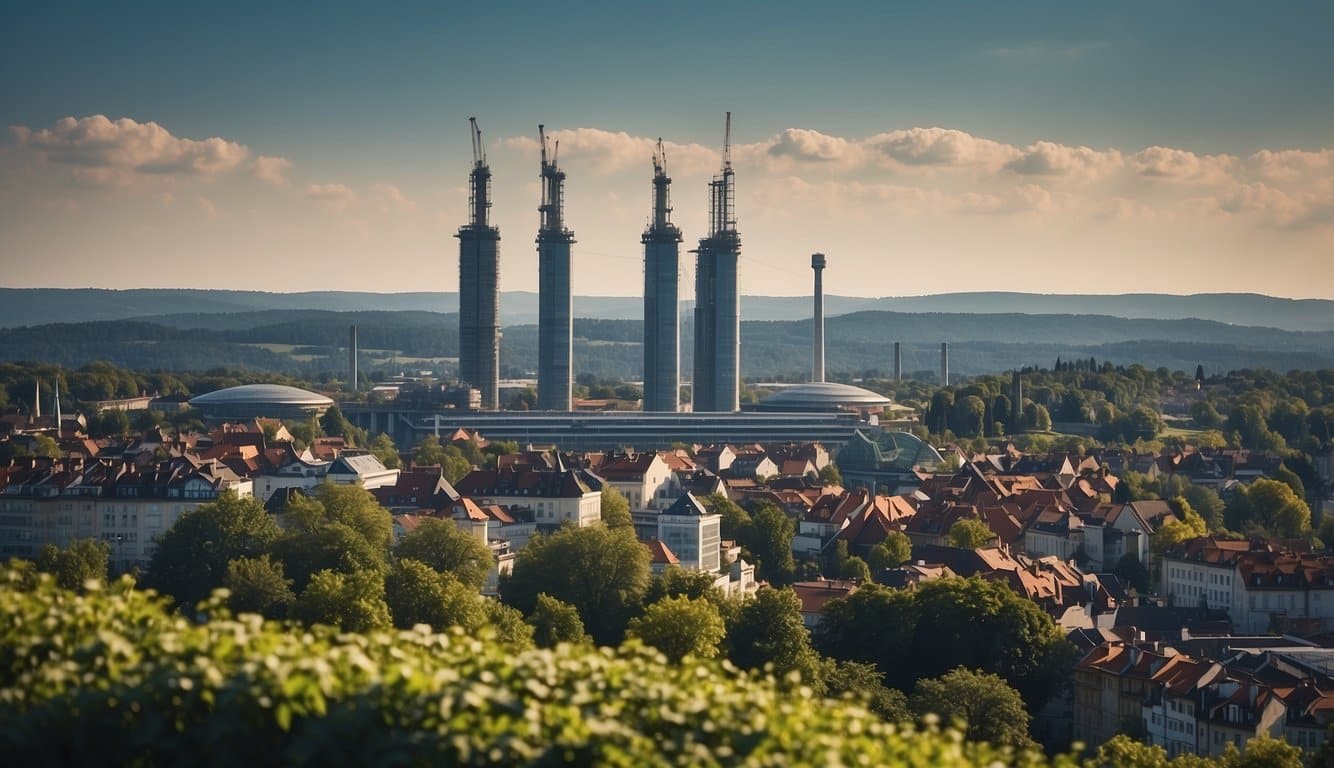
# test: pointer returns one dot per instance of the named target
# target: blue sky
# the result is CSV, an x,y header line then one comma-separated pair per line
x,y
359,99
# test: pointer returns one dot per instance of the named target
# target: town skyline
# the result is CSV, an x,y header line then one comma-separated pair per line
x,y
979,156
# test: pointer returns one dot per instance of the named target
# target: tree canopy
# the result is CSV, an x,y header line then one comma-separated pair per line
x,y
443,546
603,572
945,624
680,627
985,705
192,557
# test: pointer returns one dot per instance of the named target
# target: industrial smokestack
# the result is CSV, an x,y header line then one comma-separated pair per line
x,y
898,362
817,327
944,364
1017,395
352,359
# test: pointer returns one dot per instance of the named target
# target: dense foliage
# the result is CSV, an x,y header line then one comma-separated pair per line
x,y
113,678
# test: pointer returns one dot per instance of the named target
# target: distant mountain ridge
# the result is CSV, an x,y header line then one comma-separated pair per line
x,y
40,306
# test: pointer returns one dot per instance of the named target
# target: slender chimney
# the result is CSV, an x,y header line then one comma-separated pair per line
x,y
898,362
944,364
817,326
37,399
352,359
57,407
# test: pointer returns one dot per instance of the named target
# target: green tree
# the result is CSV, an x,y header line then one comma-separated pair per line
x,y
1175,531
948,623
508,624
1207,504
257,585
1037,418
443,546
863,682
1290,478
191,559
350,505
334,424
43,445
555,622
856,569
448,457
382,448
1269,505
353,602
680,627
332,547
603,572
769,540
831,475
417,594
615,508
969,533
991,710
80,561
734,521
768,630
894,551
111,422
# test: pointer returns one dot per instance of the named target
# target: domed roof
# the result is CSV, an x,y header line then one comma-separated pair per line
x,y
823,395
262,394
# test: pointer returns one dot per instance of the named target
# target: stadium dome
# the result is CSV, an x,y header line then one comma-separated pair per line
x,y
261,401
823,396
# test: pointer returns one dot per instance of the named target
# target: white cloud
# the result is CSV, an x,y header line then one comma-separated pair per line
x,y
608,152
271,169
1046,158
391,197
335,196
116,151
1290,163
941,147
1182,165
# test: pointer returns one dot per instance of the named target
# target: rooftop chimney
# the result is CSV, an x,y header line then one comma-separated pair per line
x,y
817,327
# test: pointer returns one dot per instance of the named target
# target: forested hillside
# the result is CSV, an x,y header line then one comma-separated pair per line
x,y
311,342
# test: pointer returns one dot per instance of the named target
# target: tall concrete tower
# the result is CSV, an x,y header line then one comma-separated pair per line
x,y
898,362
817,325
479,283
717,379
662,277
944,364
555,301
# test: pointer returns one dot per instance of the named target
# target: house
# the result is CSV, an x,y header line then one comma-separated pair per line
x,y
556,495
815,595
418,488
647,479
360,468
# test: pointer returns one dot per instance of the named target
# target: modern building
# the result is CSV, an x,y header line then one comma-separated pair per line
x,y
822,397
609,430
662,277
716,383
479,284
693,533
251,401
555,300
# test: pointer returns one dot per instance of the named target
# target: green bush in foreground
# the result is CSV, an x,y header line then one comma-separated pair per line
x,y
112,677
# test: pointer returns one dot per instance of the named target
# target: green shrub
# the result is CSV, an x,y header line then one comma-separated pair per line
x,y
111,677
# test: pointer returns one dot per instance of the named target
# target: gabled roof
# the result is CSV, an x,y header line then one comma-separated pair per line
x,y
661,554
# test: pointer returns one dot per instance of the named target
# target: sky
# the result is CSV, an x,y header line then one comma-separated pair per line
x,y
1177,147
